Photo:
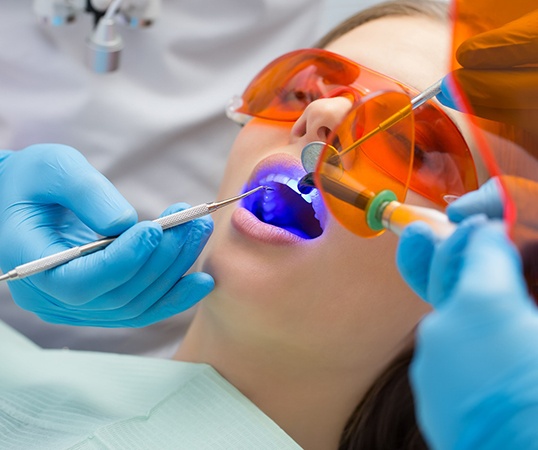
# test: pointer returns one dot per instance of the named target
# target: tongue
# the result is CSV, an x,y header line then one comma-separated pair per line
x,y
286,209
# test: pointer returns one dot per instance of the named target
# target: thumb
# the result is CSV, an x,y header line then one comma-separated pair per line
x,y
414,255
447,261
486,200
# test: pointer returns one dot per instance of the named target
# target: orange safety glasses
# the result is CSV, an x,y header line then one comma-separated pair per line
x,y
424,151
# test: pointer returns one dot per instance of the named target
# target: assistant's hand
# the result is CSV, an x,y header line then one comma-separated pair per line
x,y
475,369
418,243
492,77
53,199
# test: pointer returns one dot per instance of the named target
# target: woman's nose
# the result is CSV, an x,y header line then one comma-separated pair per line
x,y
319,119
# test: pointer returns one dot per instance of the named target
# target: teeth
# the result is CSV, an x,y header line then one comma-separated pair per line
x,y
321,219
290,182
293,184
282,179
268,205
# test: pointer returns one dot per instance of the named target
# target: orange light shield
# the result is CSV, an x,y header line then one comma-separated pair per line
x,y
495,77
383,161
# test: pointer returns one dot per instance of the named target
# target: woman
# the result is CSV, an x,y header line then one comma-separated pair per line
x,y
304,328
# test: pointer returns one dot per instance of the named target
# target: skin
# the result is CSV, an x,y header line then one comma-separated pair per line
x,y
304,329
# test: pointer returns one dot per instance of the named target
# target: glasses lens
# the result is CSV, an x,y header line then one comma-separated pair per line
x,y
284,88
349,176
443,166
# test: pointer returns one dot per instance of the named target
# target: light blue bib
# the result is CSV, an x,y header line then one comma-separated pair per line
x,y
63,399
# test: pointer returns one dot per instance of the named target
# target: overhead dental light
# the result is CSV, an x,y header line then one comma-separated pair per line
x,y
104,44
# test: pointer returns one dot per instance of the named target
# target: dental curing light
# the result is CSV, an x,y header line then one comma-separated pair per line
x,y
382,210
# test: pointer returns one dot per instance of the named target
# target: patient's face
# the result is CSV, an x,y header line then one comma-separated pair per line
x,y
336,291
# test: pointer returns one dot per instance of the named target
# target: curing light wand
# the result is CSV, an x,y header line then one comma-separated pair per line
x,y
169,221
383,211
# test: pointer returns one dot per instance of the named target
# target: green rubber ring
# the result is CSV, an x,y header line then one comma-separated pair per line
x,y
372,218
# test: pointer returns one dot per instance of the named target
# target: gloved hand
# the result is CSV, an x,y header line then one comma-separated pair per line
x,y
418,243
475,369
53,199
492,78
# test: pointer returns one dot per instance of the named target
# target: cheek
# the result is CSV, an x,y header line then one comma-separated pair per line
x,y
338,284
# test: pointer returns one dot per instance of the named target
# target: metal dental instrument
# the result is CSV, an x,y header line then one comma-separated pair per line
x,y
416,101
169,221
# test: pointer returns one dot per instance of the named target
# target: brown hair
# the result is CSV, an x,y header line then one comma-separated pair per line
x,y
385,418
438,10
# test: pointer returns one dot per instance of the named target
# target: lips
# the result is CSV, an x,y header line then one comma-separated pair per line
x,y
285,208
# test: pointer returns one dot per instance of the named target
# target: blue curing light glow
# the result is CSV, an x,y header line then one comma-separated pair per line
x,y
283,206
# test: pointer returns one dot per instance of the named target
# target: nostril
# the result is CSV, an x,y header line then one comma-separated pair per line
x,y
323,133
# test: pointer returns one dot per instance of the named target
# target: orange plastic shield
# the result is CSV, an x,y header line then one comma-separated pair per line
x,y
496,77
350,175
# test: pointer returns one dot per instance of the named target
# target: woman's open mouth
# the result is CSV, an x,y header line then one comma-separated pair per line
x,y
285,207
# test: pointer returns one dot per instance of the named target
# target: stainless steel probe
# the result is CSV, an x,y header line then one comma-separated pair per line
x,y
172,220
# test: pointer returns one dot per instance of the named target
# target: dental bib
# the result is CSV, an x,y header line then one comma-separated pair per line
x,y
63,399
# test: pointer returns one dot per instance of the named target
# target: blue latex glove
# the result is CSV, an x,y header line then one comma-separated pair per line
x,y
475,369
53,199
417,242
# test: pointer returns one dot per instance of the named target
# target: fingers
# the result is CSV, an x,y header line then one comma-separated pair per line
x,y
447,261
503,95
122,282
491,256
179,248
134,302
85,278
184,295
414,254
502,89
486,200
